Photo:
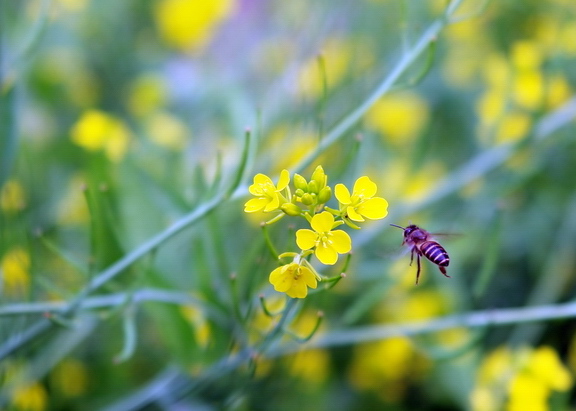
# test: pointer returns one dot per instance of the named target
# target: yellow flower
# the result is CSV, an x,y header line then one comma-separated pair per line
x,y
362,202
293,279
70,378
12,196
30,398
268,197
96,130
328,243
15,272
189,24
399,117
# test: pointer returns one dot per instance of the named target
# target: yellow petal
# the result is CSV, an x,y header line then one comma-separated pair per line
x,y
306,239
373,208
326,254
298,289
281,279
342,194
255,204
255,190
273,203
341,241
308,277
323,222
365,187
262,179
353,214
284,180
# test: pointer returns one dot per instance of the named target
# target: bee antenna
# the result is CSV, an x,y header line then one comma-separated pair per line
x,y
394,225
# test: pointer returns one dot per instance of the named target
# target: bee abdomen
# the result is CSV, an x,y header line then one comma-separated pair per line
x,y
435,253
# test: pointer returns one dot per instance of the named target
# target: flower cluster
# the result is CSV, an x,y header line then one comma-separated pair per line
x,y
308,200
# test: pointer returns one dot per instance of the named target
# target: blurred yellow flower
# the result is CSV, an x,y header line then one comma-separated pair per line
x,y
546,366
491,105
167,131
362,202
293,279
513,127
528,89
327,243
399,117
527,393
385,367
496,71
96,130
567,36
70,378
557,92
310,365
521,380
199,322
12,196
526,55
147,94
32,397
189,24
15,272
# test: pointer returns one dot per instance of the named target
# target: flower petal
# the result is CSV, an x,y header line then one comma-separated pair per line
x,y
262,179
298,289
308,277
353,214
326,254
282,278
283,181
255,204
273,203
342,194
373,208
341,241
366,187
306,239
323,222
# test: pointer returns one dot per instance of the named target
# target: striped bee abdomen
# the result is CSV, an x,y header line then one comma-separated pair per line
x,y
435,253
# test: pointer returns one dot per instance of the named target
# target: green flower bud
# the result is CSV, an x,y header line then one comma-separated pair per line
x,y
313,186
319,176
299,192
300,182
308,199
324,195
291,209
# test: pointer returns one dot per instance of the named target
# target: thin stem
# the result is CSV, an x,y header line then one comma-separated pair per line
x,y
474,319
429,36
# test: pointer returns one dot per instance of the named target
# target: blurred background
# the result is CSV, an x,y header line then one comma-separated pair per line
x,y
120,118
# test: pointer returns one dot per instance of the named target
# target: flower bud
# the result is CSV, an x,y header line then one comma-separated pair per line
x,y
319,176
291,209
324,195
299,192
300,182
313,186
308,199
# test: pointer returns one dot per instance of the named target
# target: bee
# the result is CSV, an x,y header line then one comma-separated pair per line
x,y
422,244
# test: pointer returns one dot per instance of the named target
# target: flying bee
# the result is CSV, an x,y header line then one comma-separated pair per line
x,y
422,244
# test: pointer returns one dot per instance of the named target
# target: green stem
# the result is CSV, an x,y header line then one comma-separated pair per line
x,y
429,36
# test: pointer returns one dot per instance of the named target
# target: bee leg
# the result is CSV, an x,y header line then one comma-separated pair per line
x,y
418,264
443,271
412,255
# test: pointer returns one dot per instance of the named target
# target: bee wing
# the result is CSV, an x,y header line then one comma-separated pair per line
x,y
446,235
